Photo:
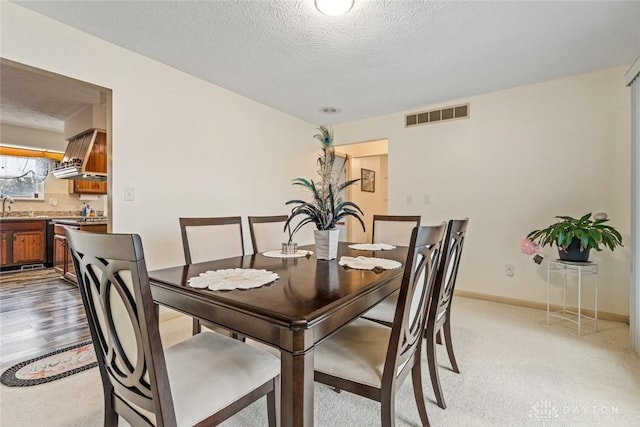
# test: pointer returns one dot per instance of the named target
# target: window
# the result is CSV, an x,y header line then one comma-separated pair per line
x,y
23,177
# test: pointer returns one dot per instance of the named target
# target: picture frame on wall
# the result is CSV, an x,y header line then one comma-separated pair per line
x,y
367,180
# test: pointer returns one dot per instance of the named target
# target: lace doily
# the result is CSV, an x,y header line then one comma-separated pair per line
x,y
368,263
372,246
233,278
278,254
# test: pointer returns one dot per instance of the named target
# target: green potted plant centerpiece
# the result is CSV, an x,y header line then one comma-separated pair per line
x,y
327,206
575,237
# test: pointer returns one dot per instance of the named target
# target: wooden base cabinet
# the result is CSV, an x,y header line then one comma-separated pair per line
x,y
4,248
62,260
22,243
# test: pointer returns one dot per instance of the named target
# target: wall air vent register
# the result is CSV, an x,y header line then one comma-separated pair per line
x,y
443,114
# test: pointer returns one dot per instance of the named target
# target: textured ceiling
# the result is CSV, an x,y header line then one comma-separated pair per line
x,y
38,100
384,56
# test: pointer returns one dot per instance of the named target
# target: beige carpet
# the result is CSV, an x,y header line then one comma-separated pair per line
x,y
516,371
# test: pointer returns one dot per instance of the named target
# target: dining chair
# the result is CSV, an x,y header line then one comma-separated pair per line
x,y
208,239
372,360
439,317
142,382
394,229
267,232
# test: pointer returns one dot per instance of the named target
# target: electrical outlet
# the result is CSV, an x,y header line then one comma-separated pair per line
x,y
409,199
508,270
53,202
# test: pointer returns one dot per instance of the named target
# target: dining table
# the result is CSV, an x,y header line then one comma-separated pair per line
x,y
310,300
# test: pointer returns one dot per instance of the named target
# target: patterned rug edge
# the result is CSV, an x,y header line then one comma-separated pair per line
x,y
9,378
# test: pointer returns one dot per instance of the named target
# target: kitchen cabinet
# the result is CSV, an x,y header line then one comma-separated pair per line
x,y
22,243
96,162
87,187
4,248
62,260
61,255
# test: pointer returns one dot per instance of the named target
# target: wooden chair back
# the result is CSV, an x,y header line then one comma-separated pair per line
x,y
207,239
114,285
394,229
448,269
413,300
267,232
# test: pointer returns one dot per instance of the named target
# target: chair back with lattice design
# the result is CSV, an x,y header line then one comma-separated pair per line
x,y
114,285
448,269
415,291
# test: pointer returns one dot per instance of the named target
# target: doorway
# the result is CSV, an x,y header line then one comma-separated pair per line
x,y
367,161
38,110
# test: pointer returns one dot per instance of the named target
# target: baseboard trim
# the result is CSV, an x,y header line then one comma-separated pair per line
x,y
603,315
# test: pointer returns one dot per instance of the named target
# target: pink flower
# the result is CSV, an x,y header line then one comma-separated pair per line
x,y
528,246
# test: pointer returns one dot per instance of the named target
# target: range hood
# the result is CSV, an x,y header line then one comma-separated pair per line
x,y
85,158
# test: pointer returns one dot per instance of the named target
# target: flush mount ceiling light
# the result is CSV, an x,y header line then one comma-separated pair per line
x,y
334,7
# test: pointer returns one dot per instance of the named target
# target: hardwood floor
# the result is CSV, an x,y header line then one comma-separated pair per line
x,y
39,313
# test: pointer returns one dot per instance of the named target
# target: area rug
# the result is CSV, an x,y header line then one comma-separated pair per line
x,y
51,367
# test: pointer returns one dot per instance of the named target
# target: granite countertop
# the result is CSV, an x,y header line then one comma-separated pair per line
x,y
80,221
32,218
57,219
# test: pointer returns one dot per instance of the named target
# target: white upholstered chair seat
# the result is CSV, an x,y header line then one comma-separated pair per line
x,y
356,352
385,310
209,371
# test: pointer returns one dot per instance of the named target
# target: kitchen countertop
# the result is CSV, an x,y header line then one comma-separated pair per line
x,y
79,221
57,219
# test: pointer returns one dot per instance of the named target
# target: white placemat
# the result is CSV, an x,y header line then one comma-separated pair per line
x,y
233,278
368,263
278,254
372,246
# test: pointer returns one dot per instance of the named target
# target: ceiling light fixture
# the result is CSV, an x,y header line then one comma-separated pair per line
x,y
334,7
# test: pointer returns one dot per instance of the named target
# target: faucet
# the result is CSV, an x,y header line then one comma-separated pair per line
x,y
4,203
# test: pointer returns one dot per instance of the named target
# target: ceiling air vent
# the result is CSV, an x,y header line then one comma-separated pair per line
x,y
436,116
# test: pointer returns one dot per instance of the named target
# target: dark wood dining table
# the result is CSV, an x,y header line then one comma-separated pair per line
x,y
309,301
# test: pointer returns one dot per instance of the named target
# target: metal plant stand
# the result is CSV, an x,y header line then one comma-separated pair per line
x,y
577,269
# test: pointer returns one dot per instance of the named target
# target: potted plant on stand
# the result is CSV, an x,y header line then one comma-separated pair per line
x,y
575,237
327,205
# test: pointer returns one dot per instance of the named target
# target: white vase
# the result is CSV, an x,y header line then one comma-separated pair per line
x,y
326,243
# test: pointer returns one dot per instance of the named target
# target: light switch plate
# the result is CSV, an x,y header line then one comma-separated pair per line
x,y
129,194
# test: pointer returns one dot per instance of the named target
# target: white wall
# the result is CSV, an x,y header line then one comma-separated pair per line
x,y
187,147
27,137
525,155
